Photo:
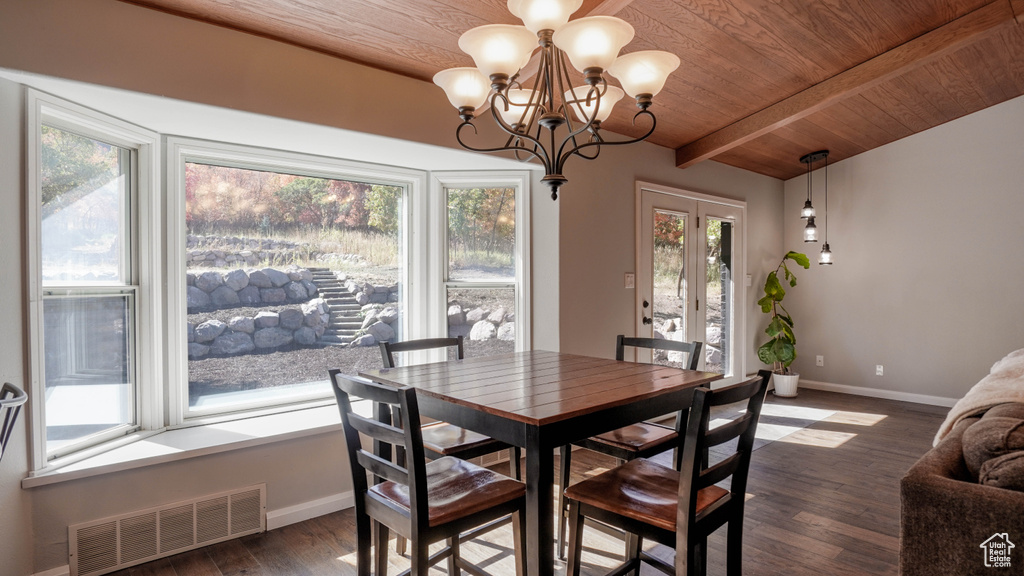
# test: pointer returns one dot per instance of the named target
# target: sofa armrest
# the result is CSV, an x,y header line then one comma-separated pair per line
x,y
946,515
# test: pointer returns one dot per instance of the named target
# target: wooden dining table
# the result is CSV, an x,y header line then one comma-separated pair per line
x,y
541,400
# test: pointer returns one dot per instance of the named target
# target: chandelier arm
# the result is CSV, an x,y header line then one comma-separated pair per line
x,y
575,150
538,150
516,149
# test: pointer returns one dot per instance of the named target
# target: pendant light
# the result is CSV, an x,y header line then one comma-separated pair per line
x,y
826,254
810,230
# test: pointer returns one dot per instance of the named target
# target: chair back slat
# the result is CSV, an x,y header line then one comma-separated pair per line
x,y
385,437
383,468
728,431
388,349
719,471
691,349
378,430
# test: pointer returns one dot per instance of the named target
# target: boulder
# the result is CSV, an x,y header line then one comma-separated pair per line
x,y
483,330
191,332
272,337
224,296
267,319
362,298
388,315
714,335
311,288
209,330
249,295
305,336
369,319
456,317
507,331
190,279
196,351
379,297
459,330
242,324
277,278
475,315
311,315
291,318
236,279
510,316
259,279
196,298
296,291
273,295
381,332
364,340
497,317
232,343
208,281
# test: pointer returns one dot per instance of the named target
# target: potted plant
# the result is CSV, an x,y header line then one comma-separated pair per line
x,y
780,349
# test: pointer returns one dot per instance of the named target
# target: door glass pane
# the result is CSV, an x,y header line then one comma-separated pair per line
x,y
287,276
719,297
89,366
670,307
481,234
485,318
83,209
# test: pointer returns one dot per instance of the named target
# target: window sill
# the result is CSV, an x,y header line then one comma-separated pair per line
x,y
180,444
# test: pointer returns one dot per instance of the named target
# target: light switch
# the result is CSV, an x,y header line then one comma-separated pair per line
x,y
630,280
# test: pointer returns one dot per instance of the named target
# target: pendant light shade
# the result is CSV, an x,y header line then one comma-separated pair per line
x,y
498,48
520,109
540,15
810,231
808,210
593,42
644,72
577,100
826,255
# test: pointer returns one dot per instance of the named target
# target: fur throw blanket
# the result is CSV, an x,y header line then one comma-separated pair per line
x,y
1004,383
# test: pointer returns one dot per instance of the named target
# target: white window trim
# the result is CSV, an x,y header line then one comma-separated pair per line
x,y
146,217
520,180
181,150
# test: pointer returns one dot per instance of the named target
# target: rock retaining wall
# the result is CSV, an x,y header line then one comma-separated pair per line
x,y
481,324
215,289
303,325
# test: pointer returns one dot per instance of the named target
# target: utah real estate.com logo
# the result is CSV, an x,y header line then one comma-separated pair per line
x,y
997,550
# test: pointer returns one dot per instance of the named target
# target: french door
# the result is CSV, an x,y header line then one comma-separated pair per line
x,y
689,262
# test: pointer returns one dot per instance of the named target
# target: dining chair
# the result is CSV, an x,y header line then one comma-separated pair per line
x,y
11,400
442,439
426,502
640,440
680,508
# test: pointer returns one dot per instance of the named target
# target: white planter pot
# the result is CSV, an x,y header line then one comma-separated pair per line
x,y
785,385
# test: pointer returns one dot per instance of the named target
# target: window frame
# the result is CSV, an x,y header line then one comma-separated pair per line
x,y
143,241
179,151
439,282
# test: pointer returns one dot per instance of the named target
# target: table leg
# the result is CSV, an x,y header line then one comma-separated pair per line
x,y
540,476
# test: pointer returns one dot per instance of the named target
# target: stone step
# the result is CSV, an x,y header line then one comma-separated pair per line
x,y
344,325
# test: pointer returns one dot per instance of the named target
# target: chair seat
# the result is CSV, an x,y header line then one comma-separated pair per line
x,y
455,489
641,490
637,437
450,440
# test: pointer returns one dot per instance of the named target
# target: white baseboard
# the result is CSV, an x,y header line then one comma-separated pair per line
x,y
879,393
307,510
58,571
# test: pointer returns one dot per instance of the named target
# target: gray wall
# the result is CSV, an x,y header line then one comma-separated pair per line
x,y
597,238
927,239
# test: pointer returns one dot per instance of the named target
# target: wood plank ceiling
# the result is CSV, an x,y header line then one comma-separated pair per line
x,y
762,82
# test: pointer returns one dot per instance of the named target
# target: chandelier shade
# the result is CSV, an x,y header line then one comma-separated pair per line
x,y
537,119
498,48
465,87
584,100
593,42
540,15
644,72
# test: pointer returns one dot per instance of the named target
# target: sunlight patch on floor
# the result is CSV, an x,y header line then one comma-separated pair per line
x,y
855,418
818,438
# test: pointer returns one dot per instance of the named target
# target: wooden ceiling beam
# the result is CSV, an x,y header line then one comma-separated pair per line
x,y
926,48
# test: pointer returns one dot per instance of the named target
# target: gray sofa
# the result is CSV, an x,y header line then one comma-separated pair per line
x,y
947,515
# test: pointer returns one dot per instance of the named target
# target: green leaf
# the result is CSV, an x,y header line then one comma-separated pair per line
x,y
773,288
799,258
784,352
775,327
766,304
764,353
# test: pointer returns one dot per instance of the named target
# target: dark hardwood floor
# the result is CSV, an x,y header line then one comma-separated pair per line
x,y
823,499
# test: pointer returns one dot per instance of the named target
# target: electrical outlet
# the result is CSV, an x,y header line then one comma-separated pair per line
x,y
878,370
819,360
630,281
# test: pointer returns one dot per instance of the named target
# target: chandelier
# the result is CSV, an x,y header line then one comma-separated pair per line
x,y
556,118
